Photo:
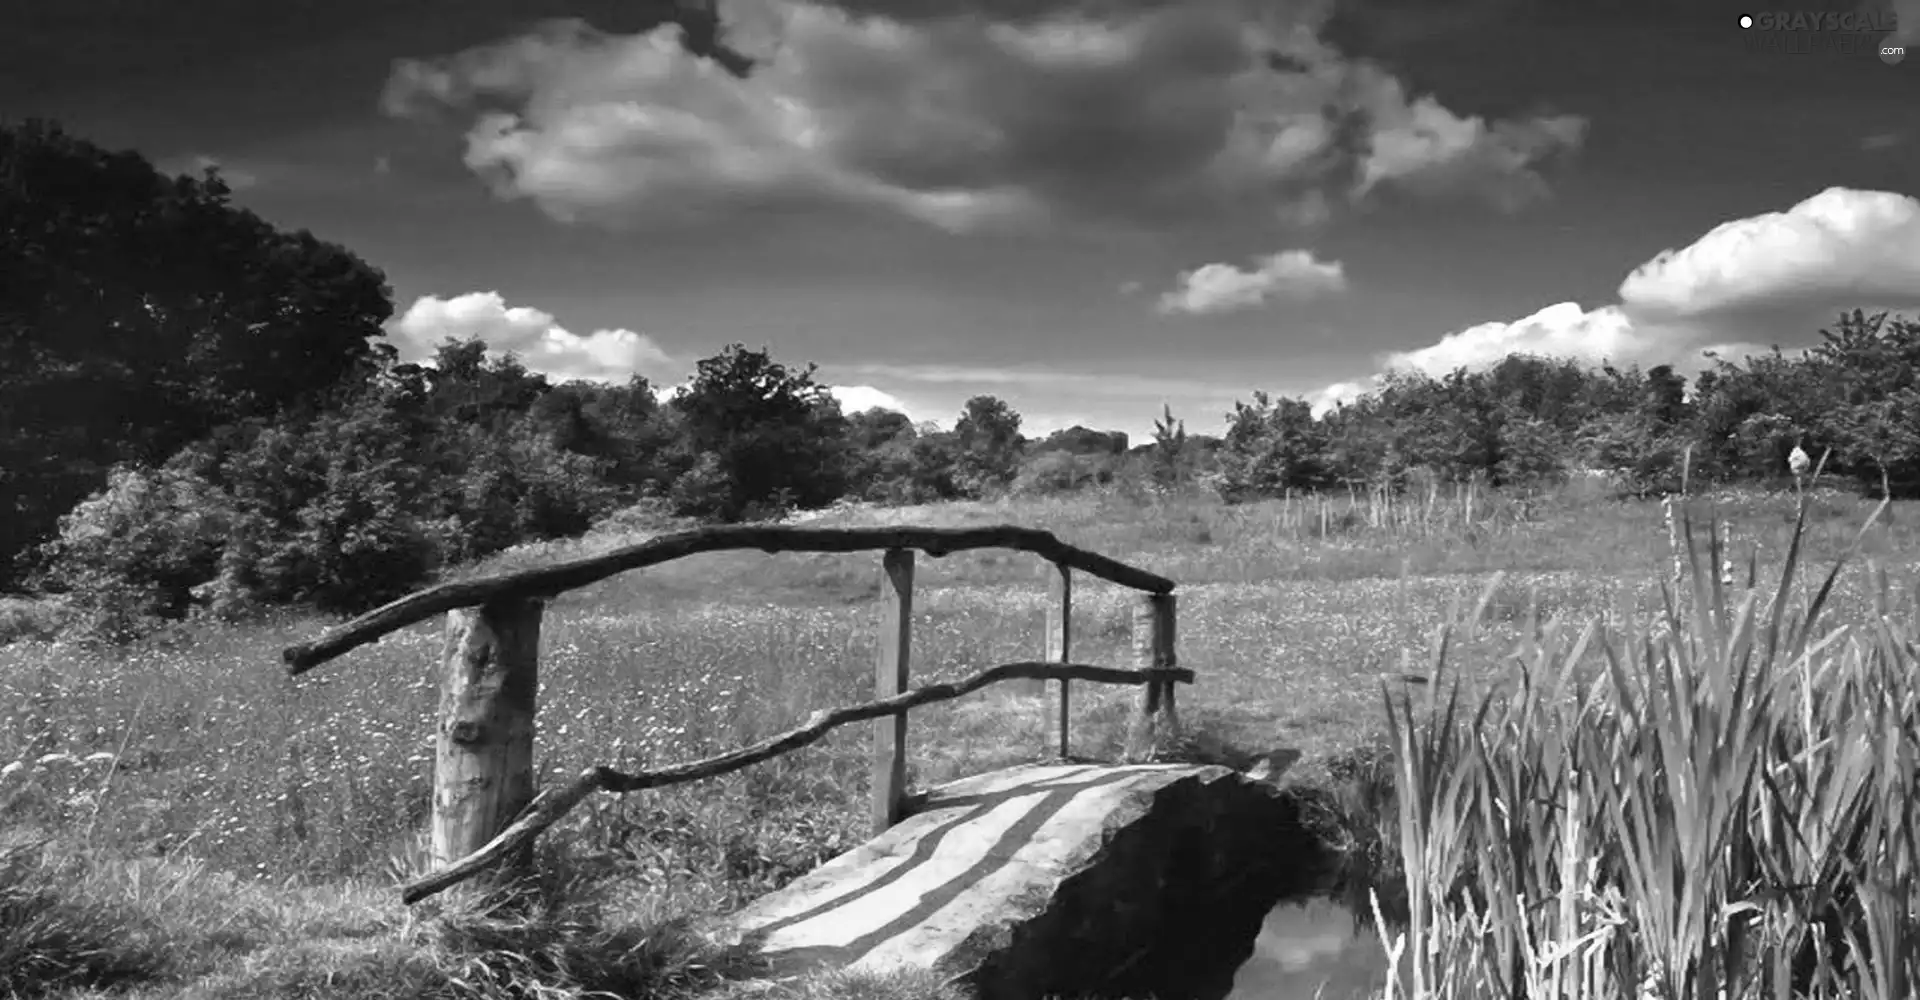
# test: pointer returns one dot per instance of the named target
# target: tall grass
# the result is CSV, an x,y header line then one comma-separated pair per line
x,y
1716,803
238,833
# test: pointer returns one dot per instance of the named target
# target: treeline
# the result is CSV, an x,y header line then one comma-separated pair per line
x,y
200,411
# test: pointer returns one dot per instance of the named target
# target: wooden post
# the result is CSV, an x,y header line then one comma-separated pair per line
x,y
891,670
1157,719
483,762
1059,649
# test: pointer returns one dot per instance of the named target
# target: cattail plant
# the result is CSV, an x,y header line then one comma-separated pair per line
x,y
1798,463
1720,809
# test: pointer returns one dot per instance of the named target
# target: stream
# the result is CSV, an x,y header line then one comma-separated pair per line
x,y
1312,950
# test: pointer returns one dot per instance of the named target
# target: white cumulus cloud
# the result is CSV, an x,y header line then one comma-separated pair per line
x,y
541,343
860,398
1744,285
1841,245
1562,330
959,118
1219,288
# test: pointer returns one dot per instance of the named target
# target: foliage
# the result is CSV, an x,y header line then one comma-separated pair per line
x,y
1273,447
129,555
1718,804
279,453
138,312
1172,459
988,445
763,437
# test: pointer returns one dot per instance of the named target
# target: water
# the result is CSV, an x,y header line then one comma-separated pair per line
x,y
1312,951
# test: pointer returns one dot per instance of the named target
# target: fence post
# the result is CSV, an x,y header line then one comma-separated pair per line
x,y
1157,719
1059,649
483,760
891,670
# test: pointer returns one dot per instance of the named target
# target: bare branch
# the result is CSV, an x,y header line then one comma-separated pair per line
x,y
549,806
547,581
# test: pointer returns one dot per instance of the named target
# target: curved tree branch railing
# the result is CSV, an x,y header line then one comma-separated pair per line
x,y
485,810
550,806
548,581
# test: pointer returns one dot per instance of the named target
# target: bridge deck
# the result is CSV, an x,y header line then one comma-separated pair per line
x,y
981,853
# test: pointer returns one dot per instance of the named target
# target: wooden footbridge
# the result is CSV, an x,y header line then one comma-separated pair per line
x,y
989,840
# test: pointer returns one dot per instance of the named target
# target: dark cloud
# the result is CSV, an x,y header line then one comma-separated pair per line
x,y
1108,110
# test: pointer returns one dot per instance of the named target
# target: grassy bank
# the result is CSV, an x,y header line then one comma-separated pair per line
x,y
218,830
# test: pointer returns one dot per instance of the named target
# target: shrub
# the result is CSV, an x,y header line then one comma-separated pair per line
x,y
327,514
1062,472
129,556
521,488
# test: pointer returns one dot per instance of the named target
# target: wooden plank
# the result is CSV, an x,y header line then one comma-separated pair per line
x,y
489,691
892,667
546,581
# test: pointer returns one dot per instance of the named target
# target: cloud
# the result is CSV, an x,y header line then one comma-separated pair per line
x,y
991,380
1761,280
541,343
1839,245
961,119
1562,330
1426,148
860,398
1333,395
199,163
1219,288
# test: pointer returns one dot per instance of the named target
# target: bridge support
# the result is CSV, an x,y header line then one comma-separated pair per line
x,y
483,759
892,669
1157,722
1058,698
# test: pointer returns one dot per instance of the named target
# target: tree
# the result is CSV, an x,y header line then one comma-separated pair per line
x,y
1666,402
770,436
138,312
879,454
466,387
1081,441
1271,447
875,427
1883,434
988,437
1532,452
636,437
1171,462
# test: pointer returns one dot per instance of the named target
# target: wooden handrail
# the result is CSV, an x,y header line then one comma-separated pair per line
x,y
551,805
548,581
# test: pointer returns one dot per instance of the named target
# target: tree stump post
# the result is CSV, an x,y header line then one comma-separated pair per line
x,y
891,671
1157,720
483,763
1059,649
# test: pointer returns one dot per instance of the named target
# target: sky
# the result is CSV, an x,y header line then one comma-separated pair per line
x,y
1091,209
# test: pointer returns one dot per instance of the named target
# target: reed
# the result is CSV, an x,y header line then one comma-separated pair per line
x,y
1714,804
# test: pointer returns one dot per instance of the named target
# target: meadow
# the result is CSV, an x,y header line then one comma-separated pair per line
x,y
182,819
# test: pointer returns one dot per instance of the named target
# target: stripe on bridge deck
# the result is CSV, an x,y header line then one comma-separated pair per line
x,y
980,842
